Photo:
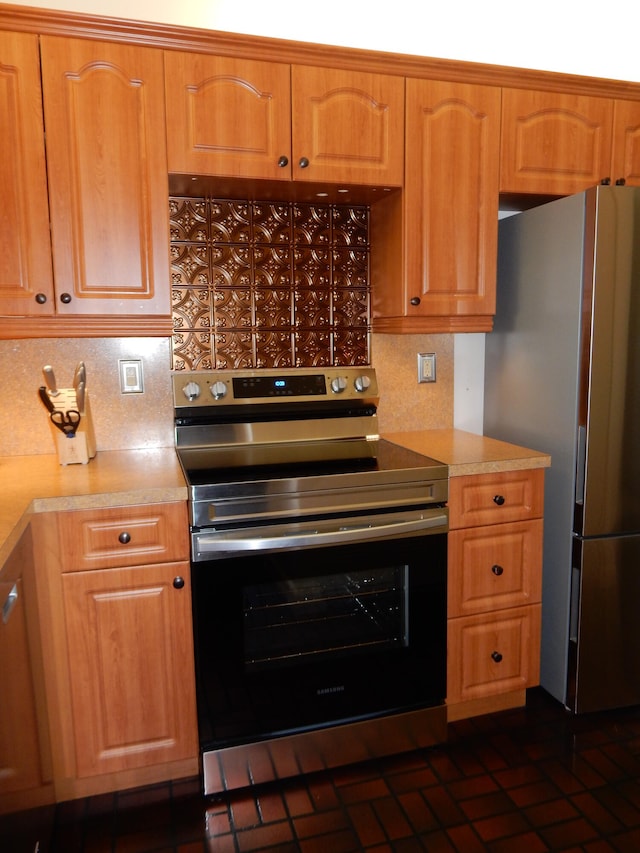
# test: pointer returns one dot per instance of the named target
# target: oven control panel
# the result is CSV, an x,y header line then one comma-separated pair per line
x,y
242,387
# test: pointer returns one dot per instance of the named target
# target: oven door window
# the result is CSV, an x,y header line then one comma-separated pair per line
x,y
300,639
307,620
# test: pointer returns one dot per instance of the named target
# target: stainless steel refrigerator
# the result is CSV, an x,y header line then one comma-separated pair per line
x,y
562,375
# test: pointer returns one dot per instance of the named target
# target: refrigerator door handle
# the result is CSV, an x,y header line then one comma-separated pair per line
x,y
581,461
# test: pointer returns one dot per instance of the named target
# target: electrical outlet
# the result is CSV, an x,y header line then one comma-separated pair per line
x,y
131,376
426,367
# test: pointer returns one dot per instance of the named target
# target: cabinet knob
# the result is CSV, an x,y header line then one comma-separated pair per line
x,y
124,538
496,657
41,298
497,570
620,182
303,162
178,582
498,499
415,300
605,182
65,298
283,161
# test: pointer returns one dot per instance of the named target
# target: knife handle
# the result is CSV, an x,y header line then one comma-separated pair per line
x,y
46,400
80,374
50,379
80,397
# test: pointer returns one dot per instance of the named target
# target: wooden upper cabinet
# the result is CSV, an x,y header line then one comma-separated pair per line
x,y
107,172
241,118
448,237
554,143
25,248
347,126
625,159
228,117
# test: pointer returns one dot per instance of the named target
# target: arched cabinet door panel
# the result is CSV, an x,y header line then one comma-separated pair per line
x,y
229,117
554,143
107,168
347,126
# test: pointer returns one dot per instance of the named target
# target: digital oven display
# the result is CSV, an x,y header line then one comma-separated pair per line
x,y
254,387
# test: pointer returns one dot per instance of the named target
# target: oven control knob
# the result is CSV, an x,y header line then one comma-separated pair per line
x,y
191,391
362,383
338,384
218,390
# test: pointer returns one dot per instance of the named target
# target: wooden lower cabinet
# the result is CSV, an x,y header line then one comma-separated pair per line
x,y
494,653
494,590
114,593
130,650
25,765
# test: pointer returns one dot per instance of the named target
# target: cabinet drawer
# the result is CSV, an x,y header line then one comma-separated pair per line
x,y
123,536
494,567
490,654
479,499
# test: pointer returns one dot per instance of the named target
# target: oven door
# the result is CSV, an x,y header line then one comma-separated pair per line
x,y
296,639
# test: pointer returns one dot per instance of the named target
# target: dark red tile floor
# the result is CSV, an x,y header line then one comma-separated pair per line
x,y
535,779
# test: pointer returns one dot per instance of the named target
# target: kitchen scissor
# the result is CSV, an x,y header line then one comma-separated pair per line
x,y
67,422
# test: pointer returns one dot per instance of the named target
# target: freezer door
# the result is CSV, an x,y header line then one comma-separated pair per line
x,y
610,360
604,654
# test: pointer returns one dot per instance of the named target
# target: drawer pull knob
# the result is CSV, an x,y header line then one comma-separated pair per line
x,y
124,538
498,499
303,162
497,570
283,161
178,582
496,657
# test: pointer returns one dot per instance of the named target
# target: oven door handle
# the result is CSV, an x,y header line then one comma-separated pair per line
x,y
211,543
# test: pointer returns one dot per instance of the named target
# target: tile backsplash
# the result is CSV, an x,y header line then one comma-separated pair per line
x,y
269,284
124,422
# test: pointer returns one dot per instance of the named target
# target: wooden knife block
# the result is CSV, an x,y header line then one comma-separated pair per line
x,y
82,447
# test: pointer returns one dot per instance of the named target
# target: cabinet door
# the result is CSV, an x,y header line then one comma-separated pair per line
x,y
554,143
625,161
494,567
124,536
107,171
493,653
451,200
478,499
347,126
130,651
228,116
25,247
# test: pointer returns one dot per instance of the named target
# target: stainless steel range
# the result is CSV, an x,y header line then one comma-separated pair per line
x,y
319,574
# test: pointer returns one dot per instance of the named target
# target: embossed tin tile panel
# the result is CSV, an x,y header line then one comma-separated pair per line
x,y
269,284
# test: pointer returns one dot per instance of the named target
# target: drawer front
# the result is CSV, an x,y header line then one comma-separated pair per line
x,y
493,654
494,567
123,536
479,499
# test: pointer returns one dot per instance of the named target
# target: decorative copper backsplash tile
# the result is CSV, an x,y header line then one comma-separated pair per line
x,y
275,284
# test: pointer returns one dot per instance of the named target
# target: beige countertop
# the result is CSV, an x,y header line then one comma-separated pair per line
x,y
32,484
468,453
39,483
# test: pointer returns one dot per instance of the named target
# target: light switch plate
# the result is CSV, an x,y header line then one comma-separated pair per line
x,y
426,367
131,381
